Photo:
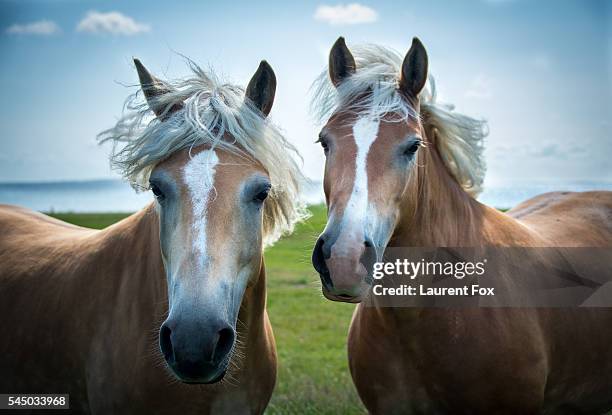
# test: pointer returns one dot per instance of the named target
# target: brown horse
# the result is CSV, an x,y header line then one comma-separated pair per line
x,y
82,308
402,171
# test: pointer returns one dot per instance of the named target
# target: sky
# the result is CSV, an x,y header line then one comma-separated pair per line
x,y
540,73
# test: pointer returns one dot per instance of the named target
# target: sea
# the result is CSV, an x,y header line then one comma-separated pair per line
x,y
118,196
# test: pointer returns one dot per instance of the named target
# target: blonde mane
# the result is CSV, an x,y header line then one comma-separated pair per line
x,y
373,90
211,112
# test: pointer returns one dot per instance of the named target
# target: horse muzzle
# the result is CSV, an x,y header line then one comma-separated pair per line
x,y
197,354
343,278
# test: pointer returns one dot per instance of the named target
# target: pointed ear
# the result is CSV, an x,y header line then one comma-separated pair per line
x,y
262,88
414,69
153,88
341,62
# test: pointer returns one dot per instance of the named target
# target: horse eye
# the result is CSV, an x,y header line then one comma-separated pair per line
x,y
261,196
323,144
412,148
157,192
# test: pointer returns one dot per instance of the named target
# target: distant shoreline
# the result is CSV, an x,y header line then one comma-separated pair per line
x,y
117,196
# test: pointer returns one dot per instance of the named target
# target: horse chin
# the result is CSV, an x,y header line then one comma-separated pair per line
x,y
342,298
201,375
205,381
202,378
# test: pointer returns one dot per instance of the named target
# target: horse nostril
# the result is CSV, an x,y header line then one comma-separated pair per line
x,y
165,342
225,342
368,258
318,261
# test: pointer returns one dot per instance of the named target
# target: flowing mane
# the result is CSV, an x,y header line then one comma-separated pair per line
x,y
214,113
373,90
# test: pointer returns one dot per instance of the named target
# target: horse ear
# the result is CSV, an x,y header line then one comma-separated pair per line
x,y
414,69
262,88
341,62
153,88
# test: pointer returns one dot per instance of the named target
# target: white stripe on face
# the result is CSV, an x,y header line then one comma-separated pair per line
x,y
365,132
199,176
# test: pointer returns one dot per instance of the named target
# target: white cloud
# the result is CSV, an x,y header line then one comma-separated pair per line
x,y
480,88
41,28
344,14
114,23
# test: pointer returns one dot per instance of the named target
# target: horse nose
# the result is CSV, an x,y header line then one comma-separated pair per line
x,y
351,273
212,348
199,353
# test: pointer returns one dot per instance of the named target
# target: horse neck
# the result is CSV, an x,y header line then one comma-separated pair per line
x,y
437,211
254,302
129,258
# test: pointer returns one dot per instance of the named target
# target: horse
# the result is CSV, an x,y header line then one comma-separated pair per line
x,y
403,171
83,307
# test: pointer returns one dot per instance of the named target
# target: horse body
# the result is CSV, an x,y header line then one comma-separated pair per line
x,y
86,306
402,172
493,360
165,311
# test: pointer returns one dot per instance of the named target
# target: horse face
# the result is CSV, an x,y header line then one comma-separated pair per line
x,y
367,170
210,205
369,160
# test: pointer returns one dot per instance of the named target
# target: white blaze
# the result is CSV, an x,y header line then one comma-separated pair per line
x,y
199,175
365,131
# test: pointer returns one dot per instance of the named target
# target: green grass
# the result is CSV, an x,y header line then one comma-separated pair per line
x,y
310,331
90,220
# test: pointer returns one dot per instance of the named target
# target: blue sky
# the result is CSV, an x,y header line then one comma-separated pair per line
x,y
539,71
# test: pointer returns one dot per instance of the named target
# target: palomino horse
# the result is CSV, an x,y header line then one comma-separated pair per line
x,y
402,171
82,307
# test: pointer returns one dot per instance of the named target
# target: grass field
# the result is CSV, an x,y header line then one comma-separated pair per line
x,y
310,331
